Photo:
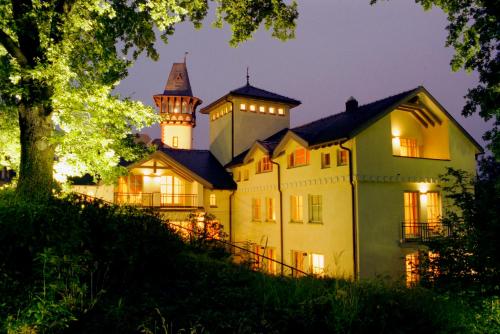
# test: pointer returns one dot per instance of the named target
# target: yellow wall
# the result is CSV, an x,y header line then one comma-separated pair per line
x,y
184,133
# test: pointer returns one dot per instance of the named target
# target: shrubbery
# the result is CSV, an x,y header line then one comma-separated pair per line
x,y
77,267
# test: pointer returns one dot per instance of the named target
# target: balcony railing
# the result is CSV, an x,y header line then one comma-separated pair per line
x,y
422,232
157,200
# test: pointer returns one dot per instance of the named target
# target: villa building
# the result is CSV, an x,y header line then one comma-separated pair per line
x,y
350,195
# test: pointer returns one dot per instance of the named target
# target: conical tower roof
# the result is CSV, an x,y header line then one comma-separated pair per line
x,y
178,81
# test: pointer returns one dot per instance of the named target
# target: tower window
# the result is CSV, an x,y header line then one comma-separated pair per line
x,y
175,141
252,107
262,109
243,107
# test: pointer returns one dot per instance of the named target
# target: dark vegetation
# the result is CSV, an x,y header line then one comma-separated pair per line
x,y
78,267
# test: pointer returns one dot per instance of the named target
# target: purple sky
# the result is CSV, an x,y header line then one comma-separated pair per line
x,y
342,48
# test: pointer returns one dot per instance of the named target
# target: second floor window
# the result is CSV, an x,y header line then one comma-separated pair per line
x,y
433,210
342,158
264,165
315,208
408,147
299,157
256,209
325,160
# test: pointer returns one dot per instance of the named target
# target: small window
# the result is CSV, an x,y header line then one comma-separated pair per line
x,y
325,160
238,176
252,107
264,165
296,208
281,111
271,110
299,157
256,208
315,208
175,141
342,158
213,201
245,175
409,147
262,109
270,212
243,107
318,264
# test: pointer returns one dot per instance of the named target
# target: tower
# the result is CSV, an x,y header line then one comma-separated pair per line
x,y
177,107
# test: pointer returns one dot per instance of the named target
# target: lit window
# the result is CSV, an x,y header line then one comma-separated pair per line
x,y
245,175
298,262
433,212
299,157
318,264
171,189
177,108
296,208
175,141
256,209
270,213
342,157
184,107
213,201
264,165
412,228
325,160
243,107
281,111
136,184
262,109
315,208
411,264
408,147
270,260
271,110
257,253
252,107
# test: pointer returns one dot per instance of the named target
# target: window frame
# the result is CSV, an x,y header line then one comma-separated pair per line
x,y
315,209
326,160
292,157
296,209
256,209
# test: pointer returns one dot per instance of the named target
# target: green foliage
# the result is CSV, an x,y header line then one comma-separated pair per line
x,y
72,266
474,31
59,63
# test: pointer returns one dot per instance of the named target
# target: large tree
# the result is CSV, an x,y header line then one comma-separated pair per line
x,y
474,31
60,59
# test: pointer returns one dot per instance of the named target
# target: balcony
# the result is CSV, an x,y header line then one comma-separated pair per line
x,y
422,232
158,200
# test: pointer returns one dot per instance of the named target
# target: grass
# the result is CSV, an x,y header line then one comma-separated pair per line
x,y
76,267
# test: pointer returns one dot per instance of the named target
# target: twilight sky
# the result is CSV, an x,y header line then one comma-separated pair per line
x,y
342,48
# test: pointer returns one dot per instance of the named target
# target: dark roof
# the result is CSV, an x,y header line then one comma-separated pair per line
x,y
204,164
178,81
254,92
269,143
348,123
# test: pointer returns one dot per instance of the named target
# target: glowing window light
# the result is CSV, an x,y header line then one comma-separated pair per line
x,y
281,111
271,110
252,107
243,107
262,109
318,264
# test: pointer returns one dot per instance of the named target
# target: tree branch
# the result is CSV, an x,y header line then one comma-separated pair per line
x,y
12,48
26,29
61,9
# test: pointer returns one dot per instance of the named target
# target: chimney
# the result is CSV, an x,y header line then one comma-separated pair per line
x,y
351,104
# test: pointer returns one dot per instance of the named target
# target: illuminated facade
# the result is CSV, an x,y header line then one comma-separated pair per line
x,y
350,195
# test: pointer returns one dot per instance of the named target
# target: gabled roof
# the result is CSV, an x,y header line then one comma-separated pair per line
x,y
345,125
253,92
348,123
204,164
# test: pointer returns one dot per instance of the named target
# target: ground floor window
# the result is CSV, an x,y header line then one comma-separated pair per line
x,y
318,264
298,262
411,265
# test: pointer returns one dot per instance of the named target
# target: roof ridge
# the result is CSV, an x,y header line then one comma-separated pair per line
x,y
361,106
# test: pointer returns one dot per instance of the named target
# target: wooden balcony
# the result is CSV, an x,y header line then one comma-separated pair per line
x,y
158,200
422,232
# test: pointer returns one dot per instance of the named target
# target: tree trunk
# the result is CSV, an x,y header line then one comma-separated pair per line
x,y
37,153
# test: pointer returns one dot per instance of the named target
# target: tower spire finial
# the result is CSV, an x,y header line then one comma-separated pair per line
x,y
248,78
185,56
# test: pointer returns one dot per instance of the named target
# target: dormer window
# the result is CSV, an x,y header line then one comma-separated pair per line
x,y
264,165
299,157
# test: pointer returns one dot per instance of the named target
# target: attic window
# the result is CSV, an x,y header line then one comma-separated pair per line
x,y
299,157
264,165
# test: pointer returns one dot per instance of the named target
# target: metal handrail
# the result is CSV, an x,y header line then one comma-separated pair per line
x,y
226,243
423,231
